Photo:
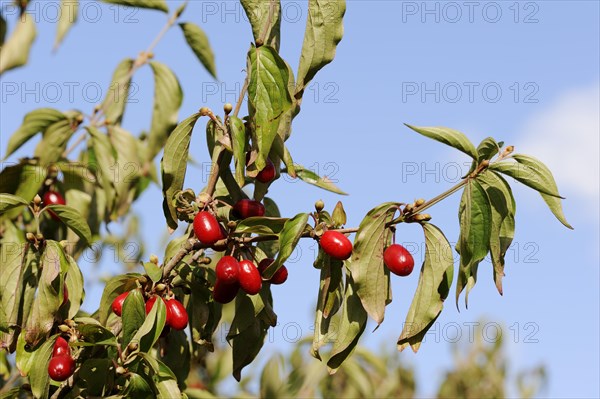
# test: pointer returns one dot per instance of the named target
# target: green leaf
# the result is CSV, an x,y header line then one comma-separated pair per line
x,y
487,149
153,271
105,160
475,217
238,137
67,17
176,355
13,250
15,51
268,97
34,122
159,5
533,173
272,382
54,141
352,323
49,297
73,219
9,201
97,374
38,375
133,316
261,225
137,386
288,240
339,214
93,334
168,97
118,92
127,168
174,166
198,42
450,137
432,289
74,282
22,180
311,177
114,287
149,332
503,209
284,154
258,14
371,278
324,30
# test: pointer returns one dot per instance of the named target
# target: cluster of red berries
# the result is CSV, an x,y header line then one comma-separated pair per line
x,y
233,275
61,365
176,318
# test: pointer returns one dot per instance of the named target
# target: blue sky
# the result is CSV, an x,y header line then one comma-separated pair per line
x,y
522,72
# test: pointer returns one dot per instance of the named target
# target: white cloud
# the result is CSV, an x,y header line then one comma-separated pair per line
x,y
566,137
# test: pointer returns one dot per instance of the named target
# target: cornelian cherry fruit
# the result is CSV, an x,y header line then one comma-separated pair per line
x,y
336,245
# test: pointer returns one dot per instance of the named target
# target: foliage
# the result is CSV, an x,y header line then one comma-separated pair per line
x,y
138,354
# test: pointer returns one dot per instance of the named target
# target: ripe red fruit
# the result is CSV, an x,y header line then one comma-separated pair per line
x,y
225,293
117,305
280,276
267,174
336,245
227,270
61,367
207,228
61,348
263,264
398,260
177,317
53,198
246,208
249,276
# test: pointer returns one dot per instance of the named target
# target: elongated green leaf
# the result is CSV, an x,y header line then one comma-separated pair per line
x,y
15,51
339,214
288,240
54,141
34,122
137,386
261,225
352,323
149,332
433,288
198,42
105,157
50,293
160,5
22,180
371,278
114,287
324,30
12,254
268,97
238,137
542,177
487,149
284,154
176,356
127,169
38,375
475,217
67,17
73,219
503,209
261,14
74,283
168,97
450,137
9,201
118,92
134,314
153,271
174,166
311,177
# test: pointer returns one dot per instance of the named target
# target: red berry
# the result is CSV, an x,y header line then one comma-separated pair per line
x,y
280,276
267,174
177,315
117,305
250,279
398,260
53,198
227,270
336,245
225,293
61,367
246,208
207,228
263,264
61,348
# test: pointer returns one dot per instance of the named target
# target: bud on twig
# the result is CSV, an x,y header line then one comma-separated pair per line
x,y
319,205
154,259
